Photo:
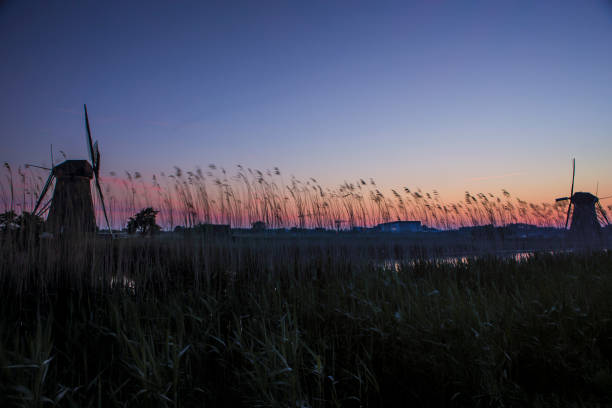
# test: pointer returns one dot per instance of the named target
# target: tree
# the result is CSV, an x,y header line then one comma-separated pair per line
x,y
258,226
143,222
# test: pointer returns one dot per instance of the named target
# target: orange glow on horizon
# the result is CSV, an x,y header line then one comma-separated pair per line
x,y
188,198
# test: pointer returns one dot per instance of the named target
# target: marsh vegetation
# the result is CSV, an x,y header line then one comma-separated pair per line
x,y
292,319
302,322
242,197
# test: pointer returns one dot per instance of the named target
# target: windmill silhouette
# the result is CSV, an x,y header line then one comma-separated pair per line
x,y
71,207
585,224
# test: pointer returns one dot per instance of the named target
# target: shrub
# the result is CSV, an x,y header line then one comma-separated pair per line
x,y
259,226
143,222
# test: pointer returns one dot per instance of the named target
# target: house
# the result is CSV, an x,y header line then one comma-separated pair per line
x,y
400,226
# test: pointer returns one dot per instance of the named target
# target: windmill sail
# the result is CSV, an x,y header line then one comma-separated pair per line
x,y
569,207
43,192
603,212
99,189
89,141
94,156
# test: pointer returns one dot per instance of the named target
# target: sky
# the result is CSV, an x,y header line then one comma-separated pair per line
x,y
445,95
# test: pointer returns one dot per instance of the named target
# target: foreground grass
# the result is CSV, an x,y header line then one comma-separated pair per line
x,y
202,322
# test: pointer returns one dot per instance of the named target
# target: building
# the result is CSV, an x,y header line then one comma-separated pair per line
x,y
72,207
400,226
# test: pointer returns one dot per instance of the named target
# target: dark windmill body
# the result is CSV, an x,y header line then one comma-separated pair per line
x,y
72,205
585,229
584,217
71,208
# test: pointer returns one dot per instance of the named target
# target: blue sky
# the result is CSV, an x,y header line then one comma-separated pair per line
x,y
443,95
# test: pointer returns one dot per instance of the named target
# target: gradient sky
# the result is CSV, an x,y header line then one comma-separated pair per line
x,y
446,95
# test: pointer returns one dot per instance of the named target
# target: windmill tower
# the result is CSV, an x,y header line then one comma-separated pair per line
x,y
71,207
585,226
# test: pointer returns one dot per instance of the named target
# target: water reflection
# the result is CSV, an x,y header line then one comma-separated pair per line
x,y
396,265
122,282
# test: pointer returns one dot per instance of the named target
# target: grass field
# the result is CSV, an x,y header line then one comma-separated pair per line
x,y
204,321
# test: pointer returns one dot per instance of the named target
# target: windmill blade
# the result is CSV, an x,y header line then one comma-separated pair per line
x,y
103,205
562,199
89,141
96,165
573,175
44,208
569,207
605,198
36,166
43,192
94,156
603,212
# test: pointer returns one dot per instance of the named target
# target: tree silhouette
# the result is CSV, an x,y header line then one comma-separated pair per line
x,y
143,222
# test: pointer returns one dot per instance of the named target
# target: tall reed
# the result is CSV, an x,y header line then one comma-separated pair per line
x,y
190,197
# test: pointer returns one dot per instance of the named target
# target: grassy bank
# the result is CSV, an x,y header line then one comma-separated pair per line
x,y
204,322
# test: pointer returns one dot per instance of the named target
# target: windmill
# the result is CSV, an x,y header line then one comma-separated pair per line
x,y
71,207
585,224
